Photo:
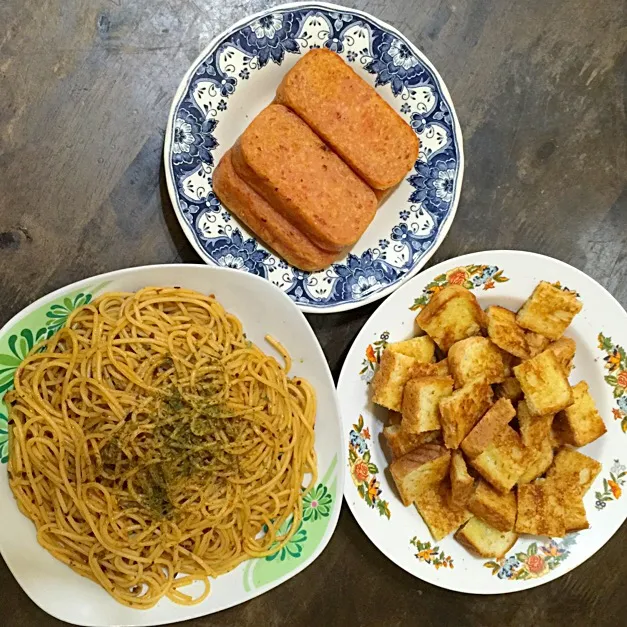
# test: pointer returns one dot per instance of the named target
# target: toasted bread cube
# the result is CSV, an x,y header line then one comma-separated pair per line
x,y
476,359
575,518
436,509
462,484
554,438
574,468
461,411
421,400
439,369
390,378
580,423
418,330
536,343
534,430
504,331
494,422
493,507
539,461
443,368
451,315
544,384
509,388
420,470
484,540
401,443
540,509
422,349
564,349
548,311
509,361
420,370
503,462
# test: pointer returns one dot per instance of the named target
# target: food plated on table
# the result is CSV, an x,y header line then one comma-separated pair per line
x,y
456,455
484,424
159,451
326,190
333,143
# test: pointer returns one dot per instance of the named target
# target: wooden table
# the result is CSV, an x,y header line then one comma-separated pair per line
x,y
85,88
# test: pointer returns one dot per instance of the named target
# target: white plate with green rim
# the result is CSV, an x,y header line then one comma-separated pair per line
x,y
263,309
503,278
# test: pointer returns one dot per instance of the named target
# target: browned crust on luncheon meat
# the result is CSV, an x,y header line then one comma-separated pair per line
x,y
350,117
284,161
265,222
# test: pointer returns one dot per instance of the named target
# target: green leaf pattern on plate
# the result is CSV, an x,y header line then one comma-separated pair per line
x,y
317,507
17,342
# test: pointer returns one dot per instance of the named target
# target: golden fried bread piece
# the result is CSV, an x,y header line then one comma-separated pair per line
x,y
537,343
580,423
286,163
539,460
389,380
420,406
422,349
549,311
564,350
476,359
267,223
535,430
503,461
462,484
575,518
540,509
504,331
461,411
439,514
419,470
401,442
544,384
351,117
493,507
509,388
493,423
452,314
573,468
484,540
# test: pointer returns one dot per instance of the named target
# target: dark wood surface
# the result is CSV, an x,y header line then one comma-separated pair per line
x,y
539,87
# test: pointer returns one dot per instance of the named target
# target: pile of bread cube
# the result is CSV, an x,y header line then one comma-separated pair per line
x,y
482,439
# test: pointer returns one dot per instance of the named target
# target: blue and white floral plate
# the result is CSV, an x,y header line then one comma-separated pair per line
x,y
237,76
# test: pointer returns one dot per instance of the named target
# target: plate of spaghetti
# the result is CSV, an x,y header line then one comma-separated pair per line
x,y
171,445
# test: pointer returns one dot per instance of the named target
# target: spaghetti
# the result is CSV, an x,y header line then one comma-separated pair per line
x,y
154,446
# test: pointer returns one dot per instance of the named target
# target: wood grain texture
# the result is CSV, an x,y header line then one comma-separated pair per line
x,y
539,89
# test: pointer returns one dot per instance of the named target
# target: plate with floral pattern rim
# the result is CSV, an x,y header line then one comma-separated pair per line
x,y
262,309
237,75
503,278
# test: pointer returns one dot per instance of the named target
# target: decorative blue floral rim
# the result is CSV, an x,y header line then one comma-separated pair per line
x,y
431,191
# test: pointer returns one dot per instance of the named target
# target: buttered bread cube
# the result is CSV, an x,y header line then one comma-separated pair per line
x,y
419,470
438,512
476,359
421,399
390,378
422,348
452,314
485,540
505,332
580,423
549,311
544,383
462,410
